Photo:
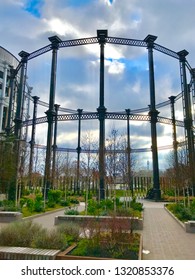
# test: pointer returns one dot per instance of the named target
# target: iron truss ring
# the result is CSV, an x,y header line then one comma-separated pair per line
x,y
108,115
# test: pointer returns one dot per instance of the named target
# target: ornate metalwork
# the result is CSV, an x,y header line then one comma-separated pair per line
x,y
166,51
111,116
125,41
40,51
78,42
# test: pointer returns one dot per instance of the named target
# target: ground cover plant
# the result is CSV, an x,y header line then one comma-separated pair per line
x,y
111,207
29,234
183,212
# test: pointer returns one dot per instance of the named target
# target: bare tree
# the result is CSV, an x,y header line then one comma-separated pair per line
x,y
180,172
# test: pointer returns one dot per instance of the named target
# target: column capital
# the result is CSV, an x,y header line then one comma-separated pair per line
x,y
55,40
182,54
35,98
79,111
102,35
150,40
24,55
172,98
128,111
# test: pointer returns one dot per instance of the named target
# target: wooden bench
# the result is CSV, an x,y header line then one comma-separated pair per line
x,y
7,217
25,253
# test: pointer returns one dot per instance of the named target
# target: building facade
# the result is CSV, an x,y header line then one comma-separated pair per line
x,y
7,62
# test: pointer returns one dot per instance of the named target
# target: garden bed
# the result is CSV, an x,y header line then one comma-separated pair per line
x,y
68,254
188,226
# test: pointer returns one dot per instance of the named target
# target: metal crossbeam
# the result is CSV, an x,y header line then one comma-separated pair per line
x,y
78,42
166,51
125,41
117,151
40,52
111,115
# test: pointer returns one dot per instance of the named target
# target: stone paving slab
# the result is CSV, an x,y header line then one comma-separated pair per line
x,y
164,237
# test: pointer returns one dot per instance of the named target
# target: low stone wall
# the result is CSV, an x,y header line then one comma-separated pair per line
x,y
128,223
190,226
7,217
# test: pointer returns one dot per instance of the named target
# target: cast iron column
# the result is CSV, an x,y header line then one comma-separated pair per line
x,y
153,114
2,97
13,74
79,149
32,141
56,106
175,143
50,114
130,185
102,35
20,95
192,72
188,123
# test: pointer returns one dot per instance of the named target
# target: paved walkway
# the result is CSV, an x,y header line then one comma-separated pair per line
x,y
163,237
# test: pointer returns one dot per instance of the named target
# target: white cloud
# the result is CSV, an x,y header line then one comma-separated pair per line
x,y
115,67
61,27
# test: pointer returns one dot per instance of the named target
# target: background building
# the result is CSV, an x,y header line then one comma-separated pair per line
x,y
7,62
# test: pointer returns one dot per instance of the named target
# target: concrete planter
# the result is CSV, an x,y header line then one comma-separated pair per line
x,y
190,226
8,217
130,223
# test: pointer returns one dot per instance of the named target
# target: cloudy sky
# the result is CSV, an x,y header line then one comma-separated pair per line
x,y
26,25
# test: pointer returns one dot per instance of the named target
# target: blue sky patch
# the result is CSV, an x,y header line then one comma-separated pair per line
x,y
78,3
33,7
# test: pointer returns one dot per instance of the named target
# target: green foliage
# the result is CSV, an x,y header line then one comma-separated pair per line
x,y
106,207
50,239
9,205
92,207
136,205
71,212
101,208
54,197
8,159
65,203
19,234
29,234
70,230
22,201
181,212
169,192
126,246
73,200
38,204
30,204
